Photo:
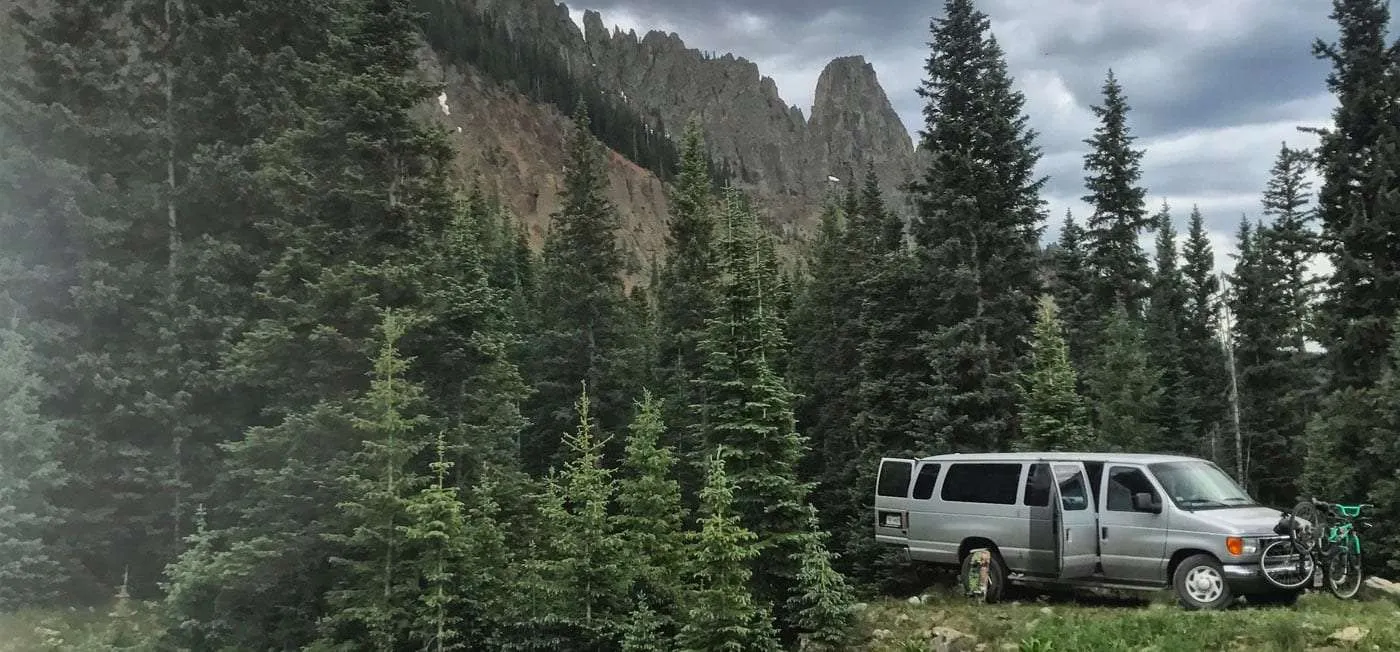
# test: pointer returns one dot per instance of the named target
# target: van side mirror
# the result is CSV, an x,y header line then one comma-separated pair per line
x,y
1143,502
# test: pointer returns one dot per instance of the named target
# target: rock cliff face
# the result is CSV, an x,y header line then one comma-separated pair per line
x,y
515,150
774,150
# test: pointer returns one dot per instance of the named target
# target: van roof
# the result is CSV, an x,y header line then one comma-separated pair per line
x,y
1129,458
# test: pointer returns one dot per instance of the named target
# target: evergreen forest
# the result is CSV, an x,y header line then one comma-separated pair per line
x,y
265,362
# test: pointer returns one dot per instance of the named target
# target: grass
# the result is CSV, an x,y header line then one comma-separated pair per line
x,y
123,627
1064,623
940,622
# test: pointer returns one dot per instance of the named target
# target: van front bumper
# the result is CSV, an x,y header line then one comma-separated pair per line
x,y
1247,579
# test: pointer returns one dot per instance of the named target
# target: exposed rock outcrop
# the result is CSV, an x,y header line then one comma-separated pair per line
x,y
853,120
783,157
516,150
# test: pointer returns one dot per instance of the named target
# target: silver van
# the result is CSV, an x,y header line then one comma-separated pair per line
x,y
1107,520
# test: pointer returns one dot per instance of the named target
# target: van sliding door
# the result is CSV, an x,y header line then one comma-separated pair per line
x,y
1077,545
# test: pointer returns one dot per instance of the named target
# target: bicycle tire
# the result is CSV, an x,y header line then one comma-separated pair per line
x,y
1349,555
1289,550
1316,518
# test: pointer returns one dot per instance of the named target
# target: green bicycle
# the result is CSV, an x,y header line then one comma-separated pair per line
x,y
1319,535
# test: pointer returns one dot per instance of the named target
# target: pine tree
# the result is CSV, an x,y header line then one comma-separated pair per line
x,y
1286,200
586,562
91,271
1165,321
1359,199
823,608
686,280
1270,378
1202,358
748,408
722,614
374,599
977,225
584,331
30,572
651,517
437,529
825,329
1383,446
1073,290
1054,417
1113,171
1124,388
355,193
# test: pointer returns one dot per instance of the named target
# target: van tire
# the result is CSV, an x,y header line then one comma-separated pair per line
x,y
1199,584
996,576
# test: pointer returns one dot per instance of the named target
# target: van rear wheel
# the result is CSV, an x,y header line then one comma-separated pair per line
x,y
1199,583
968,576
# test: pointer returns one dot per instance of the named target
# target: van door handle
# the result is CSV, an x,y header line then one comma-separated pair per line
x,y
1104,532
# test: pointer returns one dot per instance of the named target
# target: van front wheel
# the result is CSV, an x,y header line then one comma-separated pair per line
x,y
1199,582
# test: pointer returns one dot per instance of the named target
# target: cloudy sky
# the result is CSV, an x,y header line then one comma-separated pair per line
x,y
1216,86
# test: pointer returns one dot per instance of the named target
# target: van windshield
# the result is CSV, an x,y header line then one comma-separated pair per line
x,y
1200,485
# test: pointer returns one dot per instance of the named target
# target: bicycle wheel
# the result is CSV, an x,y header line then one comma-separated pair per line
x,y
1341,571
1285,566
1316,520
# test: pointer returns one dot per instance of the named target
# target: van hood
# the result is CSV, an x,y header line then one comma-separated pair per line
x,y
1256,520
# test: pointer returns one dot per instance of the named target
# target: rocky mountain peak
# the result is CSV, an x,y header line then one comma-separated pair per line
x,y
853,121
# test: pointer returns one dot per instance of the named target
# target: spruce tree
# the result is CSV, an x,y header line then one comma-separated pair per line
x,y
1165,321
1072,288
374,598
748,408
722,613
1113,174
1269,378
824,326
1383,446
1054,416
1286,201
359,195
651,517
823,608
31,573
1203,358
437,529
82,252
978,220
587,565
1359,199
686,280
584,330
1124,388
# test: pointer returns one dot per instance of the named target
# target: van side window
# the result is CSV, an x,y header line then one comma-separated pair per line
x,y
1073,496
923,485
993,483
1037,486
1123,482
894,478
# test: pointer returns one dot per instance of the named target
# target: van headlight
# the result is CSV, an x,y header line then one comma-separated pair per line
x,y
1240,546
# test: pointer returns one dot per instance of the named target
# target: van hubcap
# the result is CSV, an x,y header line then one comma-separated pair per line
x,y
1204,584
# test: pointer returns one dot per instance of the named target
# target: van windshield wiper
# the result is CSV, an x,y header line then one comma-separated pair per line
x,y
1200,502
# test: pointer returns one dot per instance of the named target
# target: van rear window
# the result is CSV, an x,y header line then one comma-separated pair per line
x,y
982,483
894,478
